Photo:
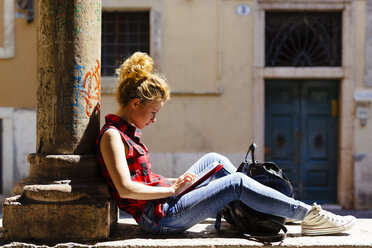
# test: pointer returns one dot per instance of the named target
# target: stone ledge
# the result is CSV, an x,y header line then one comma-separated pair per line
x,y
78,220
61,191
63,166
128,234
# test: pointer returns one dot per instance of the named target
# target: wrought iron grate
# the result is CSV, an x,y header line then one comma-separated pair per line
x,y
303,39
123,33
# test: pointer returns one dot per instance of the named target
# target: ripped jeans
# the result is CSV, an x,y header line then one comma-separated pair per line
x,y
213,195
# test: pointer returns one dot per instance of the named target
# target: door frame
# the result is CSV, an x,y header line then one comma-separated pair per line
x,y
345,74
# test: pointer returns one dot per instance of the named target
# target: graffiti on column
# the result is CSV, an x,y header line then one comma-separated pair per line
x,y
64,23
92,95
98,12
81,96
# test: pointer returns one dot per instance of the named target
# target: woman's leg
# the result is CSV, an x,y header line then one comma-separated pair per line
x,y
210,158
204,202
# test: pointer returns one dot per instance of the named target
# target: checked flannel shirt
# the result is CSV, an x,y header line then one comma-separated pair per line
x,y
138,159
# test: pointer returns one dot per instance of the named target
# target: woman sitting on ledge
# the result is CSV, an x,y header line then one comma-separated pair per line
x,y
151,199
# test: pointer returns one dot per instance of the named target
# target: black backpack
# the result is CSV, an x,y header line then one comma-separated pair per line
x,y
253,224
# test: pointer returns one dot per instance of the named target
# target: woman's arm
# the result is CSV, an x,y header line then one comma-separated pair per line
x,y
113,153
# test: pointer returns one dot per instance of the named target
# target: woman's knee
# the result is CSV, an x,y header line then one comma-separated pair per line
x,y
215,156
223,160
237,182
240,177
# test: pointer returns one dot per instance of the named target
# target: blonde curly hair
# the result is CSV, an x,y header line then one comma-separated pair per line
x,y
136,79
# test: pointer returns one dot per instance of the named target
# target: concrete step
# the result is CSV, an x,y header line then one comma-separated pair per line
x,y
128,234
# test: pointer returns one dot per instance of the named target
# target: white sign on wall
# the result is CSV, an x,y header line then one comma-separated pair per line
x,y
363,95
243,9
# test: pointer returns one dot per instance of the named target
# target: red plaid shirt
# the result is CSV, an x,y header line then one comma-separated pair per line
x,y
138,159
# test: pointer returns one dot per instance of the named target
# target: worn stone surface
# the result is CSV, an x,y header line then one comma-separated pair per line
x,y
62,191
74,202
64,197
80,208
368,65
68,99
79,220
362,175
63,166
128,234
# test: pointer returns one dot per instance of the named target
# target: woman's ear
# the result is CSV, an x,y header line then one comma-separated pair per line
x,y
135,103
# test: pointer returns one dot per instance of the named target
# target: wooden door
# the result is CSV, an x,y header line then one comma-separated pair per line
x,y
301,135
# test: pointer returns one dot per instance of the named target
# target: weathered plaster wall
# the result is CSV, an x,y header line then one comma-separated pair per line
x,y
206,55
19,140
209,49
208,64
18,72
363,183
368,46
362,131
24,141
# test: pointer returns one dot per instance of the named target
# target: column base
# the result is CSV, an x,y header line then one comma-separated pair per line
x,y
71,204
69,221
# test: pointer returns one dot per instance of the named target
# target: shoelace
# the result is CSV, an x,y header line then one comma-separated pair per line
x,y
325,214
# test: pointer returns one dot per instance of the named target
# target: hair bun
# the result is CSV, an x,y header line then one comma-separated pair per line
x,y
137,66
137,80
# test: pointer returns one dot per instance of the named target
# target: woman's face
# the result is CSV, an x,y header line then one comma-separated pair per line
x,y
145,114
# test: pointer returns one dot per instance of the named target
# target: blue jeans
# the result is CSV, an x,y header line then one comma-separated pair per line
x,y
214,194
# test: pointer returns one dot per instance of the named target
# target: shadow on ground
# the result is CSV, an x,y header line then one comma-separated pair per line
x,y
128,229
127,232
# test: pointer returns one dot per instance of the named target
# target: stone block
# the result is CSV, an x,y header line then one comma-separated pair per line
x,y
68,221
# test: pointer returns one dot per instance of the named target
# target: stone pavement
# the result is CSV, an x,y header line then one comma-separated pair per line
x,y
128,234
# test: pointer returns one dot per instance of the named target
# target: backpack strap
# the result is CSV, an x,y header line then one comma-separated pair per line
x,y
266,238
217,224
260,237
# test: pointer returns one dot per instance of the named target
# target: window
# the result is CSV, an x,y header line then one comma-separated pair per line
x,y
123,33
303,39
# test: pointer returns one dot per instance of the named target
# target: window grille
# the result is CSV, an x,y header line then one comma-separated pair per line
x,y
123,33
303,39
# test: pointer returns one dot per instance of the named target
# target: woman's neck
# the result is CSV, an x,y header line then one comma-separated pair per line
x,y
124,113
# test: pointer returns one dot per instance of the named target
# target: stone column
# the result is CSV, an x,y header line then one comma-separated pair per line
x,y
64,197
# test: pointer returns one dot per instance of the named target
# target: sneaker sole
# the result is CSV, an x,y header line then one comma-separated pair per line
x,y
328,230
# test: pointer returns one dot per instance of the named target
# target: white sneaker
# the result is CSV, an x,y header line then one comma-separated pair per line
x,y
321,222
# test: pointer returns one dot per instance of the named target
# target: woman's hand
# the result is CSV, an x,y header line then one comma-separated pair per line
x,y
183,181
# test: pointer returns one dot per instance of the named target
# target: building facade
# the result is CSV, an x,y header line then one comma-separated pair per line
x,y
293,76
